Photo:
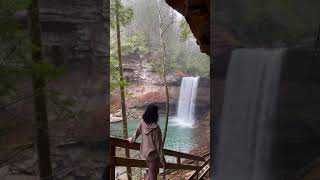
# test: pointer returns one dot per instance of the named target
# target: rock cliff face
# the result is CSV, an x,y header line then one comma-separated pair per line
x,y
203,100
297,146
74,36
73,31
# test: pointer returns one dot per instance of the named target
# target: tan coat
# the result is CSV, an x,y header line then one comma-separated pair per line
x,y
151,145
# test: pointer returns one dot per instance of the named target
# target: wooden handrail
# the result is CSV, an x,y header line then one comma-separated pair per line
x,y
129,162
136,146
120,161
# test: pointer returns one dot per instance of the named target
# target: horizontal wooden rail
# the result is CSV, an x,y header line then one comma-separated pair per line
x,y
119,161
129,162
136,146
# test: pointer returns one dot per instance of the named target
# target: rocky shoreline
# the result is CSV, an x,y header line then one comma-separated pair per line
x,y
131,114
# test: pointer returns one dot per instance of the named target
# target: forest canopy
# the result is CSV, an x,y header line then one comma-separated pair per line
x,y
140,35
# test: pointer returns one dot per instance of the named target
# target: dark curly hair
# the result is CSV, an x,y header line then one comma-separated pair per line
x,y
151,114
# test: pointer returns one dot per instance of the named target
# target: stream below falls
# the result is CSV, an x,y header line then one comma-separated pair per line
x,y
179,138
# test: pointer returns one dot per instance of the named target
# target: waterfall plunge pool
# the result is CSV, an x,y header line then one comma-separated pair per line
x,y
179,138
183,134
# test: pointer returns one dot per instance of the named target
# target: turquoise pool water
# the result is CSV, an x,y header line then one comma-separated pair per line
x,y
179,138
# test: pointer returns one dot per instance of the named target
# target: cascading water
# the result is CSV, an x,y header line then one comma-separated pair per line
x,y
244,138
187,101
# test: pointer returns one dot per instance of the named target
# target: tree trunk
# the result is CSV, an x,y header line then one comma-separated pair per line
x,y
167,94
163,62
123,100
40,104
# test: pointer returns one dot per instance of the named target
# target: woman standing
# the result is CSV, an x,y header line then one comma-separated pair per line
x,y
151,147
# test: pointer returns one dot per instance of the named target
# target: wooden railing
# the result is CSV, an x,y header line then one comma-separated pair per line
x,y
200,162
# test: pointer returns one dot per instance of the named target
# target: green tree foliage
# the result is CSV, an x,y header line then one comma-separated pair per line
x,y
122,18
197,65
188,59
145,21
125,14
185,31
185,58
178,37
125,17
141,35
134,44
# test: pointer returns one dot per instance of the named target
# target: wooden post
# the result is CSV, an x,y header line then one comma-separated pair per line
x,y
197,170
179,162
112,167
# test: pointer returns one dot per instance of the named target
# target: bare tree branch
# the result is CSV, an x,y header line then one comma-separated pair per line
x,y
16,101
167,27
18,150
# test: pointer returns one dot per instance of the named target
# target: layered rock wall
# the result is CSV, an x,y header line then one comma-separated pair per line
x,y
73,31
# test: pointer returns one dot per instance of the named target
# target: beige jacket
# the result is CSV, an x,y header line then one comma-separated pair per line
x,y
151,145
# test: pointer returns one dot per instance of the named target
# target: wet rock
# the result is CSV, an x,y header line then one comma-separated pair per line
x,y
114,119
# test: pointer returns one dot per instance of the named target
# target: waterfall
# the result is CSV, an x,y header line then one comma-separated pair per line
x,y
187,99
244,138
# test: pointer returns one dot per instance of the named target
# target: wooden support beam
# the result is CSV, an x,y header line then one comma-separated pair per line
x,y
112,166
204,173
195,174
